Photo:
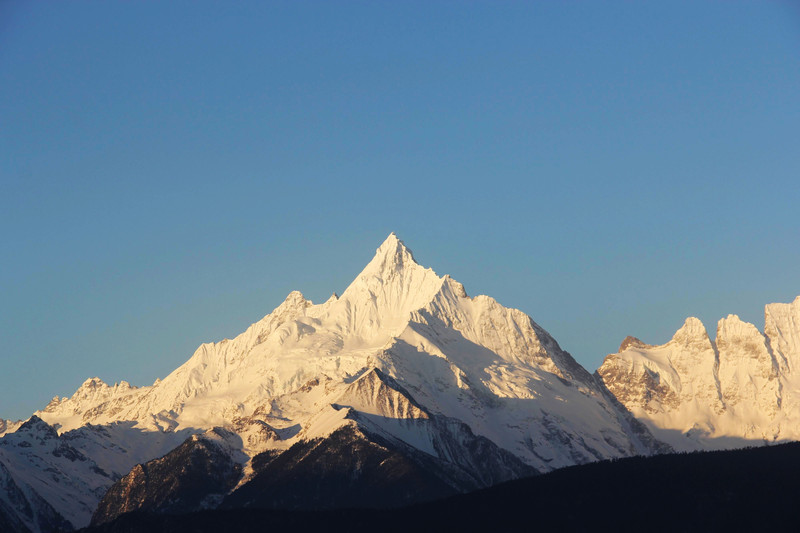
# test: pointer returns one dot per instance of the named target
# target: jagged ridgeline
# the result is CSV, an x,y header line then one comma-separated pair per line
x,y
740,389
404,389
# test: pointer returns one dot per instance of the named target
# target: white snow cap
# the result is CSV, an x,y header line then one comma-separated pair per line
x,y
692,330
392,255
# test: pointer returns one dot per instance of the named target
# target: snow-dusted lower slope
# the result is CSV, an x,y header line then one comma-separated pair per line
x,y
374,447
694,393
54,481
404,353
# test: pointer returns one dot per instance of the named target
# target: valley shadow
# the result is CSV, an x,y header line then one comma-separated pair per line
x,y
741,490
288,432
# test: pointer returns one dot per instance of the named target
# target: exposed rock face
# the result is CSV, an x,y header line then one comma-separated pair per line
x,y
346,469
656,379
696,393
195,475
385,450
353,467
630,341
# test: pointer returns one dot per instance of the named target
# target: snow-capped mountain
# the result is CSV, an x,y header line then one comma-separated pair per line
x,y
460,386
743,388
403,389
467,358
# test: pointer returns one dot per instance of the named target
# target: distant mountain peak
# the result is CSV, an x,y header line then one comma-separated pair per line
x,y
631,341
92,383
391,255
379,301
693,392
36,425
693,332
734,329
295,300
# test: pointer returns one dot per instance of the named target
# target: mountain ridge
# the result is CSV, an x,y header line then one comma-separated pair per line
x,y
693,391
411,364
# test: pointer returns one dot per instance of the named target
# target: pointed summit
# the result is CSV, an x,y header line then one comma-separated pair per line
x,y
294,304
392,285
36,426
632,342
392,260
692,332
295,300
391,256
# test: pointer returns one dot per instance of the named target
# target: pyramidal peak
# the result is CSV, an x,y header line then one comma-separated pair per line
x,y
294,300
390,287
632,342
391,256
692,332
36,424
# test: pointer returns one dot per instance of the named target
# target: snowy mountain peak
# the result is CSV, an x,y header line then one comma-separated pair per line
x,y
403,355
782,327
693,332
378,303
295,301
732,329
631,342
391,256
36,425
406,358
695,393
92,384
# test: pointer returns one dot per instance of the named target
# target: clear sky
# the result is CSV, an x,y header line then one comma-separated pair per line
x,y
169,171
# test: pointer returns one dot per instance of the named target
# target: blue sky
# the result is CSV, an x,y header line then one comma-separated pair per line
x,y
169,171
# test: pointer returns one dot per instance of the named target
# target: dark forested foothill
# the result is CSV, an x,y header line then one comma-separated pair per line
x,y
750,489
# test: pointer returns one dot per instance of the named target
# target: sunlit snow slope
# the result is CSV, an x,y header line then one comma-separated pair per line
x,y
743,388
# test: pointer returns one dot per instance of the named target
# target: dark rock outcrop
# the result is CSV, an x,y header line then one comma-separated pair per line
x,y
195,475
